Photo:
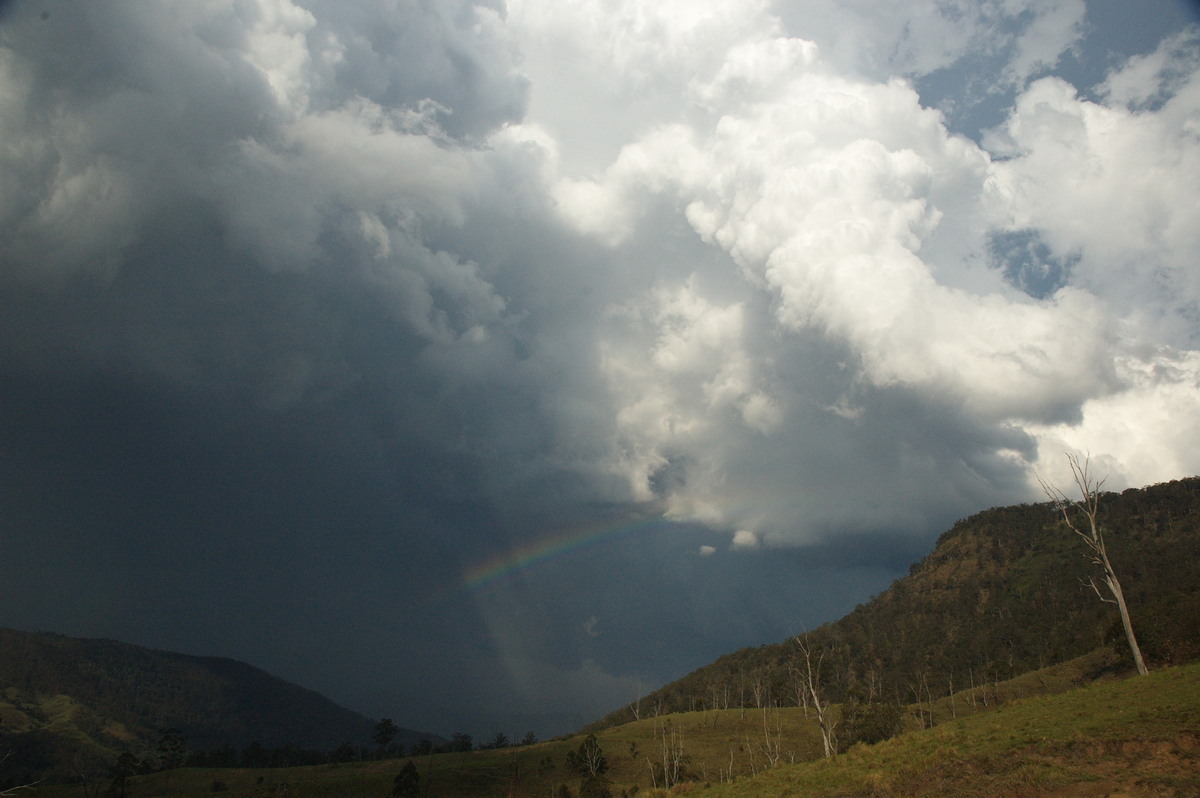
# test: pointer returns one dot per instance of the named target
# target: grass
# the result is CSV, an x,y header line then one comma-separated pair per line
x,y
717,744
1137,736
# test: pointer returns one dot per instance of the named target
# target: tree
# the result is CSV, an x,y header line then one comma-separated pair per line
x,y
588,760
126,765
867,719
595,787
170,749
8,791
1087,509
88,766
772,744
461,741
171,752
812,685
343,753
385,732
254,755
15,789
672,769
407,783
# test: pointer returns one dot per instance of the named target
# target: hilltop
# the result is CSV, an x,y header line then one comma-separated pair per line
x,y
1003,592
64,698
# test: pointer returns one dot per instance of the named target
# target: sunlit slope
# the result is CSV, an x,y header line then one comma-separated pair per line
x,y
1133,737
1136,737
1003,592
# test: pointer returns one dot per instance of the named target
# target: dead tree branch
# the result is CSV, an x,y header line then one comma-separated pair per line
x,y
1082,516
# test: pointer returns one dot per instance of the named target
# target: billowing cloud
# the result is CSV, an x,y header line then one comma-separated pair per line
x,y
439,281
1111,182
882,39
863,219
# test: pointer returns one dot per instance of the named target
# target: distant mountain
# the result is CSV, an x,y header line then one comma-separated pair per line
x,y
62,697
1004,592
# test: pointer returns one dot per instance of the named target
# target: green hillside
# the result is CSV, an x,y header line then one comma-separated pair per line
x,y
63,699
992,666
1135,737
1131,737
1004,592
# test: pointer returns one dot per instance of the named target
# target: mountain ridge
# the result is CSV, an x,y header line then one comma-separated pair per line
x,y
1004,591
64,696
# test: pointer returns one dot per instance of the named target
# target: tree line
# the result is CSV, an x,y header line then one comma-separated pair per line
x,y
256,755
1006,591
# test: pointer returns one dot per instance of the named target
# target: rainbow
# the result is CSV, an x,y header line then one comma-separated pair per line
x,y
562,543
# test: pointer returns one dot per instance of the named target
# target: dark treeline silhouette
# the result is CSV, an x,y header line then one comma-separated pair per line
x,y
256,755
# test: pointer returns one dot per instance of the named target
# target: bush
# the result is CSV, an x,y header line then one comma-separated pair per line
x,y
407,783
595,787
868,722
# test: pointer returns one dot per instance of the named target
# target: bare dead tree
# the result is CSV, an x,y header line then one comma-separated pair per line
x,y
673,758
812,681
922,694
758,686
950,684
591,756
1087,508
750,754
772,746
10,791
88,769
874,683
799,686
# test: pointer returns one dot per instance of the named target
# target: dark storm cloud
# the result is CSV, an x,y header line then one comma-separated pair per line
x,y
324,542
220,437
400,53
311,308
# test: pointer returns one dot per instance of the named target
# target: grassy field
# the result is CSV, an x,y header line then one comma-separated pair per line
x,y
715,745
1130,737
1134,737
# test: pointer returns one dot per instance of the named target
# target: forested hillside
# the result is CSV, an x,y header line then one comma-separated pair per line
x,y
64,698
1005,591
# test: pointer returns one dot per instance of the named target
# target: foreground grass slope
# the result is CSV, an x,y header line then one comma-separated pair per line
x,y
1135,737
1132,737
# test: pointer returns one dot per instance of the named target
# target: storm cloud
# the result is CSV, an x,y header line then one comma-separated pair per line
x,y
311,309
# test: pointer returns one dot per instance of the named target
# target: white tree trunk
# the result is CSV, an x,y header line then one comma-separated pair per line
x,y
1089,505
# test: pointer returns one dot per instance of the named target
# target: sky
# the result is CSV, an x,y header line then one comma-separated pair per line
x,y
483,365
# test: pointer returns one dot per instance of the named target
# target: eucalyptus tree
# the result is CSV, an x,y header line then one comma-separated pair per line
x,y
1082,516
813,686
